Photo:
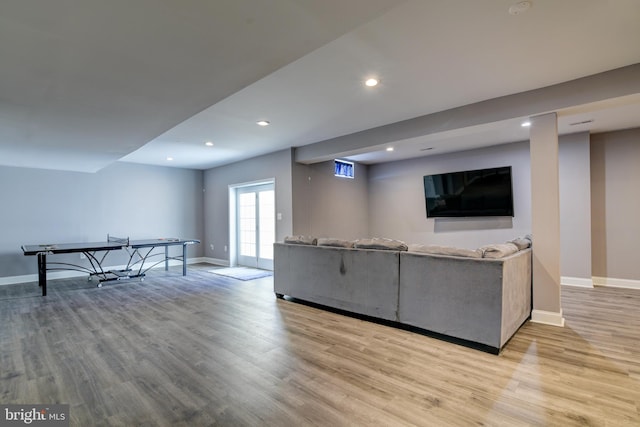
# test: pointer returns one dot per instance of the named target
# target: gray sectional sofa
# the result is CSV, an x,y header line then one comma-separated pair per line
x,y
362,281
478,300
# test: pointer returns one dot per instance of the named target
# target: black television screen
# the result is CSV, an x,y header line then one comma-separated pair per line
x,y
483,192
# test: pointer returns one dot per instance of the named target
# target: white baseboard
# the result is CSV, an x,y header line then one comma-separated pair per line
x,y
616,283
576,281
215,261
547,317
68,274
26,278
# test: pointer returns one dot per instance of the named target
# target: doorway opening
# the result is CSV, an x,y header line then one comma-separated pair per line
x,y
252,224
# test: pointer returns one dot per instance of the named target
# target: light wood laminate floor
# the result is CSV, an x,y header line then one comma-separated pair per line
x,y
208,350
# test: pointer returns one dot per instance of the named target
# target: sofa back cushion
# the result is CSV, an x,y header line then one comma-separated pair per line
x,y
381,244
445,250
521,242
335,243
499,250
301,240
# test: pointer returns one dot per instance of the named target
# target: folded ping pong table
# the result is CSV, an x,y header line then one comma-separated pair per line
x,y
139,251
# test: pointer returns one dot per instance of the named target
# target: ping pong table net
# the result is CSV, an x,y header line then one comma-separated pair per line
x,y
124,241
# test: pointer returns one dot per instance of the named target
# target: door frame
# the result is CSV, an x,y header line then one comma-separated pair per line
x,y
233,235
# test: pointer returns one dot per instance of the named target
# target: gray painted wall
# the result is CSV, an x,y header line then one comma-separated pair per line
x,y
300,188
124,199
397,203
615,204
575,205
216,200
545,218
336,207
386,200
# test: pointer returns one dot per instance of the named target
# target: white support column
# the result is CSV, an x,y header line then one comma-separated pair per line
x,y
545,219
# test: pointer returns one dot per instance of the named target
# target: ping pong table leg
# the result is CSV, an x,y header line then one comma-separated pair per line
x,y
184,259
42,272
166,258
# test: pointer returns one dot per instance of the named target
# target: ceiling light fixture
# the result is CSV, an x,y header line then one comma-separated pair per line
x,y
519,8
526,124
169,159
371,82
209,144
389,148
263,123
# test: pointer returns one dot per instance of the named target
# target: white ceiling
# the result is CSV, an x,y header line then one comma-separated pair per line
x,y
85,83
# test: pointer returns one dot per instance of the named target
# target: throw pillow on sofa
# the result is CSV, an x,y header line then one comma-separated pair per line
x,y
445,250
381,244
499,250
335,243
521,243
301,240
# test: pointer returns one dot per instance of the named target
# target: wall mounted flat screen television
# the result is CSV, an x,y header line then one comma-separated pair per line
x,y
482,192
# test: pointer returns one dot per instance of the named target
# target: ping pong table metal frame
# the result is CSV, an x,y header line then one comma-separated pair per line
x,y
139,251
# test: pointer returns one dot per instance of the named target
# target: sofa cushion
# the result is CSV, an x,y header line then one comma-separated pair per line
x,y
336,243
521,243
499,250
445,250
381,244
301,240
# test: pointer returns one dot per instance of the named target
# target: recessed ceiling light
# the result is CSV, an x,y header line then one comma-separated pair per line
x,y
209,144
520,7
371,82
263,123
169,159
389,148
525,124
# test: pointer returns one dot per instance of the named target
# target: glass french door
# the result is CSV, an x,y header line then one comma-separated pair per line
x,y
256,225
